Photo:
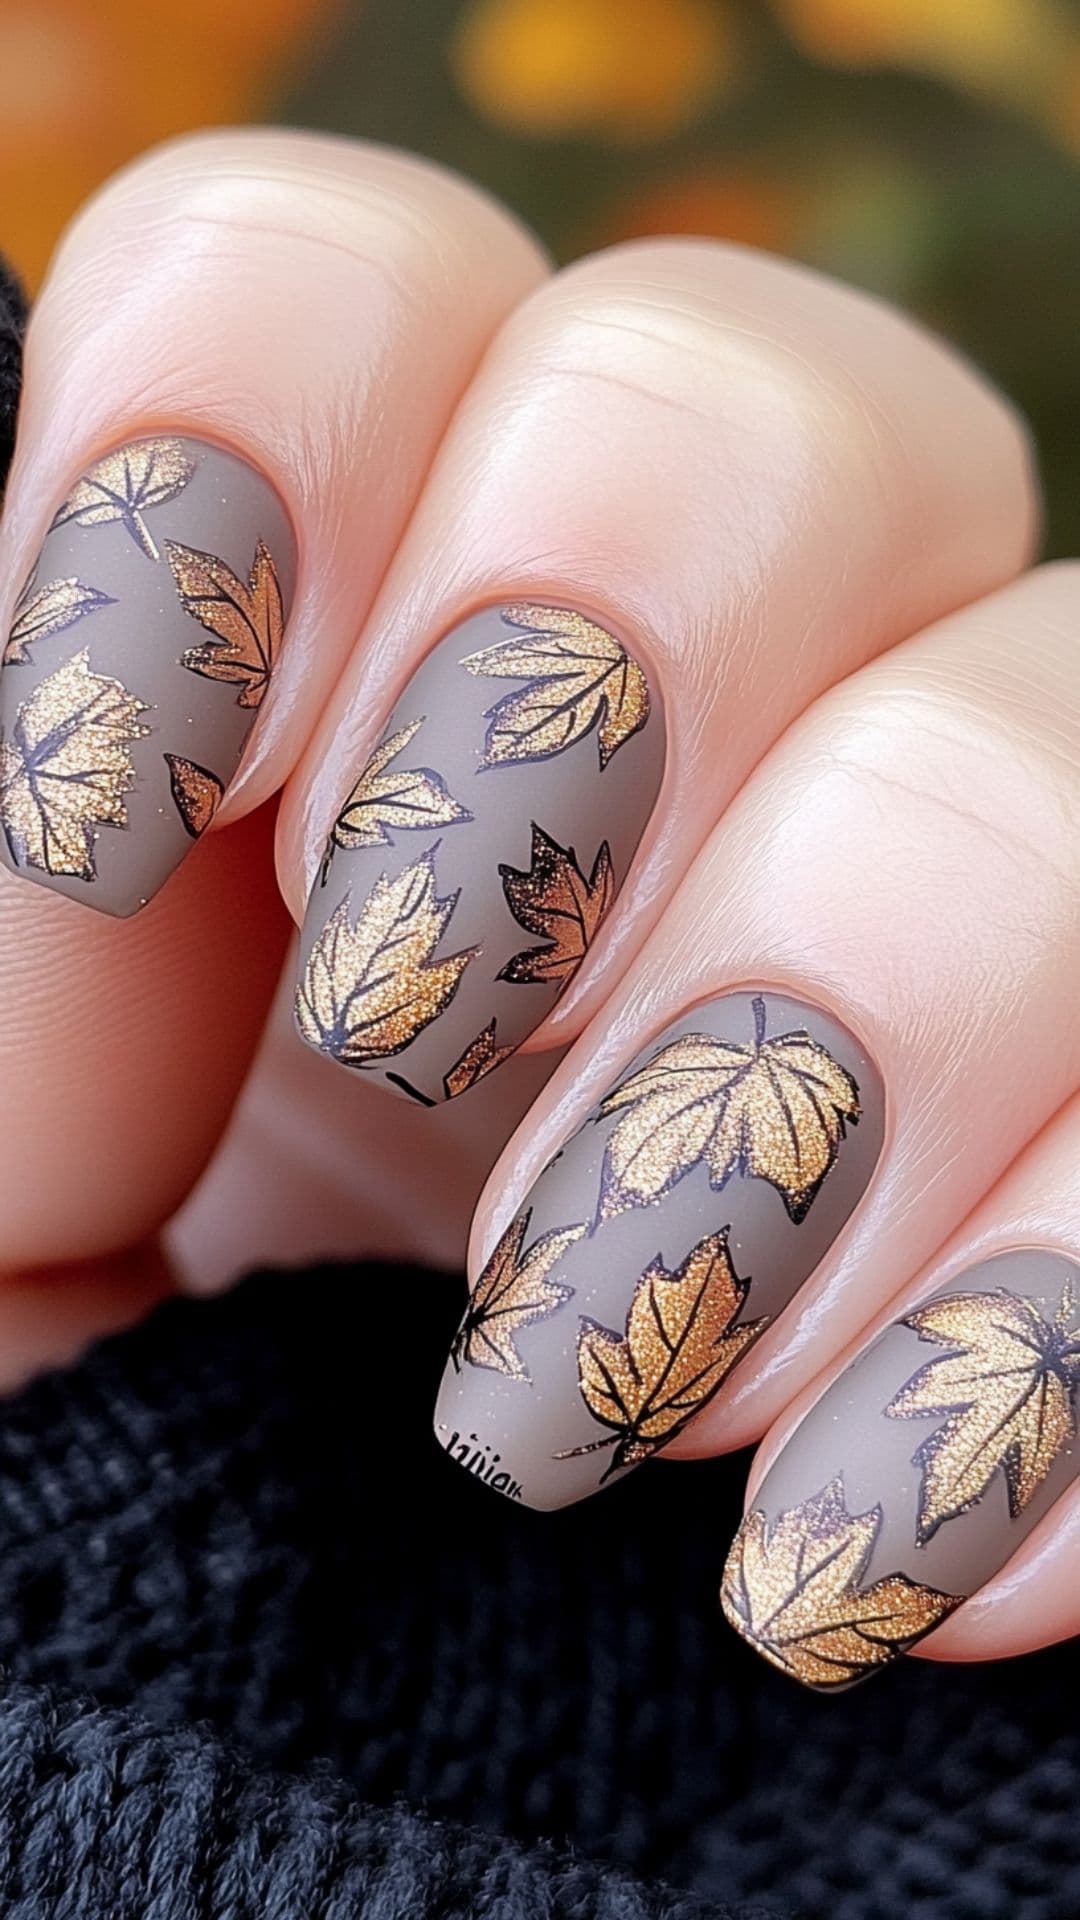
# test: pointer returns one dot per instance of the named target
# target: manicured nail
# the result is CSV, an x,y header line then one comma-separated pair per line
x,y
476,857
659,1244
916,1475
139,654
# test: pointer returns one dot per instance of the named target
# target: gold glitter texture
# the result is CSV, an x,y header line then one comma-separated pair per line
x,y
773,1109
66,768
125,486
52,609
792,1589
369,989
1007,1387
196,791
244,618
387,797
514,1290
680,1345
480,1057
555,900
578,677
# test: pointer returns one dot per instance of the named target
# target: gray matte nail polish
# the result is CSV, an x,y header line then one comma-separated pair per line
x,y
673,1227
475,859
916,1475
139,653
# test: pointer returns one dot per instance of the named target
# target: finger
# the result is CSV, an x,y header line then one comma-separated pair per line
x,y
689,488
939,1454
232,363
851,1019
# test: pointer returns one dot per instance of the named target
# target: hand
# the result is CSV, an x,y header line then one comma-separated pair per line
x,y
665,616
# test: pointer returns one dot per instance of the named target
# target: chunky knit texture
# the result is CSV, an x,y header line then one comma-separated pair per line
x,y
231,1533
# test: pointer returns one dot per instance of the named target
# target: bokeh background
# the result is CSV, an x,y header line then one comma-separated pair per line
x,y
926,149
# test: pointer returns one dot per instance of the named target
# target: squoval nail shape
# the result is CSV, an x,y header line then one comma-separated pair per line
x,y
916,1475
139,654
659,1244
480,851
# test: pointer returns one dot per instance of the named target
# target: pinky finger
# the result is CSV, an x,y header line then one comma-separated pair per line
x,y
933,1487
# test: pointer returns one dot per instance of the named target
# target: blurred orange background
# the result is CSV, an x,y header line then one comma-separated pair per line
x,y
924,148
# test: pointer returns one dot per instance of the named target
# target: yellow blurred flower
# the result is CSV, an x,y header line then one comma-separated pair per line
x,y
623,71
1010,50
84,88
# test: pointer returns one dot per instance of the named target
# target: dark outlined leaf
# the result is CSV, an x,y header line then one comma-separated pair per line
x,y
556,901
368,989
792,1590
480,1058
389,799
773,1109
578,677
66,769
125,486
196,791
244,618
514,1290
680,1345
51,609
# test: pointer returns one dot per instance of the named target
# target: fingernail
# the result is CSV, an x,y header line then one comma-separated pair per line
x,y
659,1244
476,857
139,654
916,1475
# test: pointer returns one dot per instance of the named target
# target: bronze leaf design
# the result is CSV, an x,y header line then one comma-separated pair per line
x,y
1005,1389
679,1347
243,617
369,988
51,609
793,1589
127,485
772,1109
196,791
578,676
67,768
480,1058
388,798
514,1289
556,901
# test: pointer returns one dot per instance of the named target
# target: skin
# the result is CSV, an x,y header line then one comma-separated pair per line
x,y
809,519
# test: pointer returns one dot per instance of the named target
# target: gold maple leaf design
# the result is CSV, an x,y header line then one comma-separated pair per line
x,y
792,1589
51,609
514,1289
387,797
244,618
480,1058
196,791
773,1109
679,1347
125,486
66,769
578,677
555,900
1006,1389
368,989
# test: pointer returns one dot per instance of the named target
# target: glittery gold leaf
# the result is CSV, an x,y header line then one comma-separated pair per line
x,y
126,485
387,797
578,677
514,1290
52,609
556,901
1006,1391
679,1347
772,1109
245,618
196,791
792,1589
480,1057
369,989
66,768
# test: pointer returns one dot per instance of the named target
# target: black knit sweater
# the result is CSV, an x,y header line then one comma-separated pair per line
x,y
267,1655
